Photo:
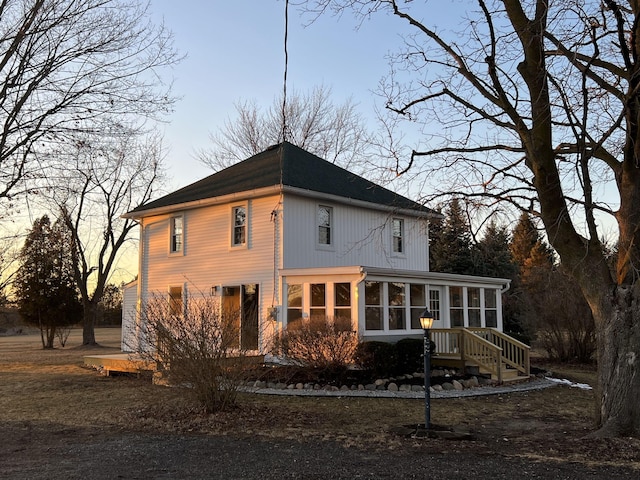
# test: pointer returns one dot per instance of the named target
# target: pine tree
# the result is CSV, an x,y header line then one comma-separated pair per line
x,y
492,256
45,290
451,245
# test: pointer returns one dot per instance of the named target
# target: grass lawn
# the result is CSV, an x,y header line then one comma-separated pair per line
x,y
52,389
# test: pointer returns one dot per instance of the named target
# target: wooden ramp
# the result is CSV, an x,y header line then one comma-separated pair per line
x,y
119,362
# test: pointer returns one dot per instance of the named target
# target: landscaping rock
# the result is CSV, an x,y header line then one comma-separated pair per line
x,y
457,385
447,386
392,387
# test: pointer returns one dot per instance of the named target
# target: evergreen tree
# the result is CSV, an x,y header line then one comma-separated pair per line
x,y
45,290
492,256
525,239
451,245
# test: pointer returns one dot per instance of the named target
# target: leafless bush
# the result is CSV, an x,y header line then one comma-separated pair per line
x,y
198,349
62,334
319,342
565,328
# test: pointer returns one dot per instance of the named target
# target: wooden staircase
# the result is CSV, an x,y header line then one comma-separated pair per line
x,y
486,350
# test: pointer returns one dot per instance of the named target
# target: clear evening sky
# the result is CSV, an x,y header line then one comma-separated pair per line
x,y
235,51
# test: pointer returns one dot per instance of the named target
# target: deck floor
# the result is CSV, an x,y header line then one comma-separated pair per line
x,y
119,362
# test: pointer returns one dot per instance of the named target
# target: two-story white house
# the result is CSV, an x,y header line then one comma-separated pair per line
x,y
285,235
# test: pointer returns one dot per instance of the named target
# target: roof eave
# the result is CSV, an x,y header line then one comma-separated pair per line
x,y
205,202
360,203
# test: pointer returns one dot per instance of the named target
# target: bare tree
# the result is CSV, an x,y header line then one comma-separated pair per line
x,y
537,104
69,66
335,132
103,180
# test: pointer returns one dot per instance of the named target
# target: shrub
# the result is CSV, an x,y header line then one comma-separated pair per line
x,y
381,358
199,350
410,355
319,342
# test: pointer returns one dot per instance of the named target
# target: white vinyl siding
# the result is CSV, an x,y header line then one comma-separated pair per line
x,y
210,261
359,236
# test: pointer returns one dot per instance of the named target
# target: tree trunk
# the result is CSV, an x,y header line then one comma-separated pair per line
x,y
618,388
89,322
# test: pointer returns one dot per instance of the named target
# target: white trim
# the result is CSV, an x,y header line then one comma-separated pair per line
x,y
232,225
172,219
207,202
276,190
325,246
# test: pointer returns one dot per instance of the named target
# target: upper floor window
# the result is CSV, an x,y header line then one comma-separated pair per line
x,y
325,221
177,233
239,231
397,233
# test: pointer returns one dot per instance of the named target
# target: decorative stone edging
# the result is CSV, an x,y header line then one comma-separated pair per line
x,y
393,387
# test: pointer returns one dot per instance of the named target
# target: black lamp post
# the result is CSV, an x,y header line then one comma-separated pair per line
x,y
426,321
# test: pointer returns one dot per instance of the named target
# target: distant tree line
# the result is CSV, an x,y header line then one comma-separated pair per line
x,y
543,304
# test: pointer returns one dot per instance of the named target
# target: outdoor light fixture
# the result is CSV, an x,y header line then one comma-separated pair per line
x,y
426,321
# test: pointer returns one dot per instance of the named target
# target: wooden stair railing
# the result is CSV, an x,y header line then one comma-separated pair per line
x,y
489,349
515,354
484,353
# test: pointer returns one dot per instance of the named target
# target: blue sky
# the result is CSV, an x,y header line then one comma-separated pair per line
x,y
235,51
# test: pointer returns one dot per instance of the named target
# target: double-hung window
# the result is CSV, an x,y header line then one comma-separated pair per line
x,y
397,235
239,226
176,240
325,221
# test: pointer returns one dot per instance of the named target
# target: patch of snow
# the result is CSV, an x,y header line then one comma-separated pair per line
x,y
564,381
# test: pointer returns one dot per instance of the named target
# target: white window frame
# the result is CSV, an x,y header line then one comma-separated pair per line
x,y
233,226
172,235
398,250
331,228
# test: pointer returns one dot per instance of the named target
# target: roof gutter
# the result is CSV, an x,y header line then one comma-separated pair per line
x,y
359,203
205,202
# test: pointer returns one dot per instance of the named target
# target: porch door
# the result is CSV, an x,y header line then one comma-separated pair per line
x,y
242,303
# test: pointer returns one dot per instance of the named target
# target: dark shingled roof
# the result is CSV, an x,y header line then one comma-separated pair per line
x,y
300,169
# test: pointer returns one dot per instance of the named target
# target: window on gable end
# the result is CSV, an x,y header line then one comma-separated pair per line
x,y
325,221
176,241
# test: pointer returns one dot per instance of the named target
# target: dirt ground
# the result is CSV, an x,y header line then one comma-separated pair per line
x,y
61,420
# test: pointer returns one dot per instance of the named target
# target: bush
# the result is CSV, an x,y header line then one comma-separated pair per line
x,y
199,350
381,358
318,343
410,355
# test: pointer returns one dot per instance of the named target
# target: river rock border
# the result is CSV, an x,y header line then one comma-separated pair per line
x,y
442,381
